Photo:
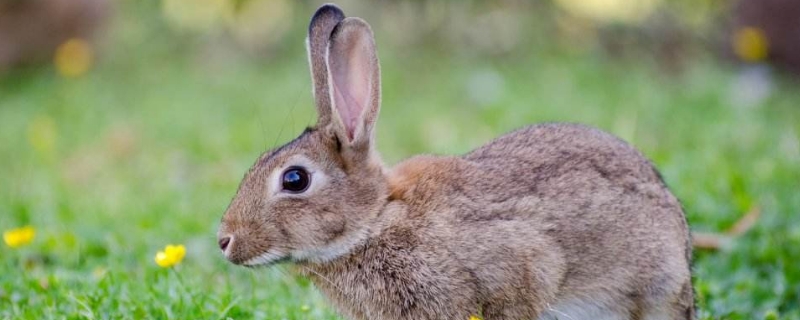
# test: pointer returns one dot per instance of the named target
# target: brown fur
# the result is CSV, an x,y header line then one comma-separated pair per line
x,y
549,221
406,175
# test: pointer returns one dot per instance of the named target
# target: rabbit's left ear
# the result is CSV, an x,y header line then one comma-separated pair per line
x,y
354,82
319,33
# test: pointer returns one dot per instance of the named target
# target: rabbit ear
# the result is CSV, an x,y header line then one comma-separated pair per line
x,y
354,81
319,33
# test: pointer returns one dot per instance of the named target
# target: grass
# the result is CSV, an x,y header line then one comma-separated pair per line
x,y
148,148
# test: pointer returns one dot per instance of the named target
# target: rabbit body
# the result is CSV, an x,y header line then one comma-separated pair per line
x,y
547,217
553,221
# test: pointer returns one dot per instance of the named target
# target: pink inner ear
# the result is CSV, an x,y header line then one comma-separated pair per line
x,y
351,86
348,108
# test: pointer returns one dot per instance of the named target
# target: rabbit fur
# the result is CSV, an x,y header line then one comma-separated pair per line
x,y
551,221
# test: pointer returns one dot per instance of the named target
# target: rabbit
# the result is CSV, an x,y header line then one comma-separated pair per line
x,y
551,221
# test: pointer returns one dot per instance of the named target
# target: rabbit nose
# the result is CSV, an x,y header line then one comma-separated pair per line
x,y
224,242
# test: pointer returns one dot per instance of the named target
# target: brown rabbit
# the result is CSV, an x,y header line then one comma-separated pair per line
x,y
553,221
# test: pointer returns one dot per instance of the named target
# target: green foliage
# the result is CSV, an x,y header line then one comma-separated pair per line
x,y
149,147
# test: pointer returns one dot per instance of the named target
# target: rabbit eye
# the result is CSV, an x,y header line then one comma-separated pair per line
x,y
295,180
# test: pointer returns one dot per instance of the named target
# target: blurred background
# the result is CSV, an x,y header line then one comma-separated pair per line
x,y
127,125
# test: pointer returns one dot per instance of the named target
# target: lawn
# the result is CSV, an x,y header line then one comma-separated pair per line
x,y
148,148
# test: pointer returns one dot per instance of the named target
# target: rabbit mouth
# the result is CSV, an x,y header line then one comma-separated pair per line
x,y
266,259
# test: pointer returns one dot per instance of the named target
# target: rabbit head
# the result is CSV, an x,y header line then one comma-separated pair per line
x,y
311,199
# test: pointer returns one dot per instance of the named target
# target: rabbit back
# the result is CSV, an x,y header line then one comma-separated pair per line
x,y
589,212
622,234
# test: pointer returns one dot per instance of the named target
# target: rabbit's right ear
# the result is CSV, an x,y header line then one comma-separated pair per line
x,y
319,31
354,78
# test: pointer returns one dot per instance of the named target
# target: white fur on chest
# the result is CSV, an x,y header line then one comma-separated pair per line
x,y
581,309
588,310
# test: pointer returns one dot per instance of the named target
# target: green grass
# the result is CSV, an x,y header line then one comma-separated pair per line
x,y
148,148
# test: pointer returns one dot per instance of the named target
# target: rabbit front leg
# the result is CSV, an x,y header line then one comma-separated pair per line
x,y
524,297
517,277
347,308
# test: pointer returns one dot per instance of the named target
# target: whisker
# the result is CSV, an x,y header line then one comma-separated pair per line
x,y
260,117
326,279
285,120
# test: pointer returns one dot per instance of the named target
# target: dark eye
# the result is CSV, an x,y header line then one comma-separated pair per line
x,y
295,180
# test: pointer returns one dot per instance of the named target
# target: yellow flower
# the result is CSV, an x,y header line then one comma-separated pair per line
x,y
74,57
172,255
750,44
16,238
474,317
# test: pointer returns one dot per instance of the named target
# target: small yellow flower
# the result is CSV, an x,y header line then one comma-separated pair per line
x,y
305,308
750,44
74,57
474,317
16,238
172,255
